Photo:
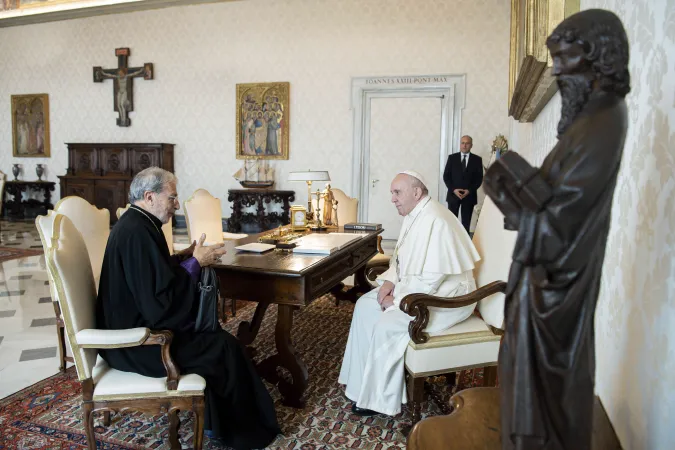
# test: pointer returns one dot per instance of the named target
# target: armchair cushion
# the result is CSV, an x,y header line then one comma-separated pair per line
x,y
468,344
115,384
93,338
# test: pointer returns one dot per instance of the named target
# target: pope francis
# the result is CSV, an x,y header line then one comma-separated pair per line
x,y
433,255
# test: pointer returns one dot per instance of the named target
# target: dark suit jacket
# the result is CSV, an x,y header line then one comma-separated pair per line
x,y
456,177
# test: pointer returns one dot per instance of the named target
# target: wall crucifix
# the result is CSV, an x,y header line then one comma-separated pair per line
x,y
123,78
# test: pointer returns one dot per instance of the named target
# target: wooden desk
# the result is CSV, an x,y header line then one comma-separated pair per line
x,y
290,280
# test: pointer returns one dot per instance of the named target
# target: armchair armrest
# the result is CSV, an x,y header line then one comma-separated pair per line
x,y
164,338
93,338
134,337
417,305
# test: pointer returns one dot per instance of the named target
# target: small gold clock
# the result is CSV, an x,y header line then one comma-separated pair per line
x,y
298,217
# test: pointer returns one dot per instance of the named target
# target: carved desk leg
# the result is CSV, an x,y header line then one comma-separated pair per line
x,y
247,332
287,358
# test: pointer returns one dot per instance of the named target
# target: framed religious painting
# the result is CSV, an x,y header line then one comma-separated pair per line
x,y
30,125
531,84
262,120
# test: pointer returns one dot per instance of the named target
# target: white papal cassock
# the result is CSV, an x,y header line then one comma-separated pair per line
x,y
434,255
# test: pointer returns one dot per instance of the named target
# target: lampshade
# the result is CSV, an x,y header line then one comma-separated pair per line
x,y
309,175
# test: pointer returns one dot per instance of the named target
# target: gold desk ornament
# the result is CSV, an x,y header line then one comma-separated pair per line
x,y
330,210
298,217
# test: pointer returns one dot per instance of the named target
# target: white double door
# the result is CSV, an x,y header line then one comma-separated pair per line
x,y
405,133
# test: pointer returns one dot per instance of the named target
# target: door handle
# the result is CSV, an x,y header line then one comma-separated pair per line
x,y
374,181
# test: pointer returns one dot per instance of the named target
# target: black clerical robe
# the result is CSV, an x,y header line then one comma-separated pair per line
x,y
141,285
547,357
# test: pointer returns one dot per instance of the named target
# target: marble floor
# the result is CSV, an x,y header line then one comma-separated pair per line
x,y
28,351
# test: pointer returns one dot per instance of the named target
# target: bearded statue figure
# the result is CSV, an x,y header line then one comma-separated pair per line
x,y
561,211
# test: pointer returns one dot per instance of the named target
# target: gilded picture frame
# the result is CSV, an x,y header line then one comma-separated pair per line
x,y
262,120
30,126
531,84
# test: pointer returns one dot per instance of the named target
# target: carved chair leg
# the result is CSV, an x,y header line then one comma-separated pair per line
x,y
416,397
106,418
233,307
88,419
490,376
198,408
174,423
61,343
451,378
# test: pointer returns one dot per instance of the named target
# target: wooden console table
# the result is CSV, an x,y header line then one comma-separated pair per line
x,y
16,208
290,280
242,198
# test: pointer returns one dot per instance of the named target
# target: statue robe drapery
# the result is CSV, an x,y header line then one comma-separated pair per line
x,y
143,286
547,357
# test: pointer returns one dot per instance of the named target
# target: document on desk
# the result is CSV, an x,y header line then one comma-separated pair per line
x,y
323,244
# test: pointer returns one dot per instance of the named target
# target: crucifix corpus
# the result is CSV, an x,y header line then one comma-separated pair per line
x,y
123,83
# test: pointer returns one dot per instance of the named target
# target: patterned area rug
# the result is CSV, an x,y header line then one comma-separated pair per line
x,y
7,253
47,415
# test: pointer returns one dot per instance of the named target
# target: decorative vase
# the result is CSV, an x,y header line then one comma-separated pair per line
x,y
39,170
16,170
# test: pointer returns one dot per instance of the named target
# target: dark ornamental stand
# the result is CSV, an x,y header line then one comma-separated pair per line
x,y
244,198
16,208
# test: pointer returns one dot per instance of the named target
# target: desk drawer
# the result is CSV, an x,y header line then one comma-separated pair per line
x,y
330,275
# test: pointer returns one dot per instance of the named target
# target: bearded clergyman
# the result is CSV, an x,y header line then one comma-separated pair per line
x,y
434,255
143,286
562,213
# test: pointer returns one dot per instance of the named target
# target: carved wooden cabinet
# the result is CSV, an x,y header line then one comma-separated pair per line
x,y
102,173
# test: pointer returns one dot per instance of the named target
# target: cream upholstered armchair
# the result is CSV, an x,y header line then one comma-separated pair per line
x,y
474,342
92,223
347,207
167,229
204,215
105,389
44,225
94,226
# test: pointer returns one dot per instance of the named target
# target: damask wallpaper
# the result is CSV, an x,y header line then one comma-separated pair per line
x,y
635,317
201,52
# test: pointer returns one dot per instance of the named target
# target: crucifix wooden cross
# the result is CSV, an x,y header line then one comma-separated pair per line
x,y
123,83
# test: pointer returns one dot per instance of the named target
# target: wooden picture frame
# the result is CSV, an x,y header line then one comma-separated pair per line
x,y
30,126
531,84
262,120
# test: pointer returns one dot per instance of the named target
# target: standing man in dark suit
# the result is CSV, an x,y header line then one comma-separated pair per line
x,y
463,176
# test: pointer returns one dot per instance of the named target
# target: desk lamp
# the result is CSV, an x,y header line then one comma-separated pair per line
x,y
309,176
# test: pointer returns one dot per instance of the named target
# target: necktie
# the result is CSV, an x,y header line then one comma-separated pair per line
x,y
464,161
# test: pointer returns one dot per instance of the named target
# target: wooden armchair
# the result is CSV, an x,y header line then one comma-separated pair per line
x,y
94,226
44,225
203,215
105,389
92,223
474,342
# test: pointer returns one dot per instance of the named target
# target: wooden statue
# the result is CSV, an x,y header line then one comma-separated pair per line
x,y
123,86
562,213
